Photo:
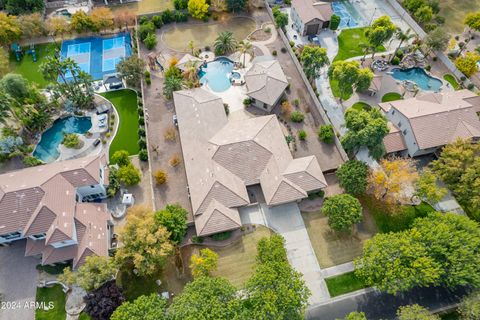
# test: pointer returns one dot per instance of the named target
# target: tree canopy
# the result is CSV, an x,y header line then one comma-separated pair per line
x,y
415,312
151,307
427,187
92,274
10,29
467,64
174,218
198,9
356,316
313,58
381,30
236,5
350,76
18,7
473,20
203,263
343,211
131,69
225,43
437,40
352,176
469,307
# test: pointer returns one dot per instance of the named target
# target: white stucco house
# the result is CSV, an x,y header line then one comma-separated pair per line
x,y
309,17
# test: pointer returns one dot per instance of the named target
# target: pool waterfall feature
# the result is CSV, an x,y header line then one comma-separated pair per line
x,y
217,74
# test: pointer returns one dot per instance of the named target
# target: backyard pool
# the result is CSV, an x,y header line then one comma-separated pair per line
x,y
419,76
349,15
47,149
216,74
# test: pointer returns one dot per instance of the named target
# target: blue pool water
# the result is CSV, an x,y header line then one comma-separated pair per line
x,y
47,148
349,16
419,76
97,55
216,74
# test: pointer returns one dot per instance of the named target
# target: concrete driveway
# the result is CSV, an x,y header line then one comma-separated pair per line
x,y
287,220
18,281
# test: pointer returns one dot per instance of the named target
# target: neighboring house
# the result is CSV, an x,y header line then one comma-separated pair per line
x,y
266,84
43,204
310,17
224,159
422,124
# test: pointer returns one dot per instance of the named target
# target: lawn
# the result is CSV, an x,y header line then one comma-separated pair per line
x,y
29,69
344,283
349,43
454,12
332,248
391,96
53,294
134,286
453,82
125,101
361,106
336,90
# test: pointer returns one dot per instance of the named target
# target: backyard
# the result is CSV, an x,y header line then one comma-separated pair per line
x,y
126,138
350,43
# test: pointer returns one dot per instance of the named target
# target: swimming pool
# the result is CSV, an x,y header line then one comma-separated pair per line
x,y
47,149
349,15
97,55
419,76
216,74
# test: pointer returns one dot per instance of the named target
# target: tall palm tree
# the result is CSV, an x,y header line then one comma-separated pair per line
x,y
245,47
225,43
402,37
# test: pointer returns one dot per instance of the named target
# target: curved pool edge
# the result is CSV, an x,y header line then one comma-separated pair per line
x,y
427,73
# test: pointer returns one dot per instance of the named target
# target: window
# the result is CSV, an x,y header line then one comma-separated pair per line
x,y
11,235
404,132
393,111
39,236
399,124
92,187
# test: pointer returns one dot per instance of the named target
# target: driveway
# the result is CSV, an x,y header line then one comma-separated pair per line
x,y
287,221
18,281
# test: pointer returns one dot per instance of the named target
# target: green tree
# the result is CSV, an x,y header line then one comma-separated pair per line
x,y
355,316
180,4
245,47
415,312
365,128
381,30
204,263
32,25
236,5
402,36
349,76
102,18
174,218
120,157
334,22
4,63
145,29
352,176
280,18
225,43
198,9
129,175
151,307
472,20
10,29
437,40
468,63
17,7
469,307
81,22
413,5
424,14
150,41
313,58
205,298
343,211
92,274
326,134
131,69
271,249
16,86
171,85
427,187
145,242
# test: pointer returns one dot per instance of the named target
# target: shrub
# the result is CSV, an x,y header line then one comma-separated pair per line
x,y
325,133
221,236
207,48
470,86
120,157
143,155
334,22
297,116
142,143
428,67
215,16
150,41
71,141
296,102
196,239
267,30
31,161
170,134
283,50
160,176
141,120
286,108
140,111
143,20
145,29
318,194
291,43
395,61
302,135
227,108
157,21
174,160
141,132
247,102
108,135
274,53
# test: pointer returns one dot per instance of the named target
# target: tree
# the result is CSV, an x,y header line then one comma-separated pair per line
x,y
81,22
313,58
124,18
180,4
204,263
198,9
402,36
151,307
427,187
424,14
469,307
9,29
174,218
472,20
437,40
131,69
102,302
102,18
245,47
271,249
57,26
15,85
343,211
349,75
334,22
468,63
91,275
415,312
171,85
381,30
389,181
280,18
4,62
17,7
365,128
205,298
150,41
120,157
129,175
352,176
32,25
236,5
219,5
326,134
225,43
356,316
145,242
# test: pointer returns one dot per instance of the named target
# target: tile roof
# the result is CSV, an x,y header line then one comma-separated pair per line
x,y
266,81
308,10
393,141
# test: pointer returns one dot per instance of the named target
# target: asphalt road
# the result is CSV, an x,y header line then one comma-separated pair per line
x,y
379,306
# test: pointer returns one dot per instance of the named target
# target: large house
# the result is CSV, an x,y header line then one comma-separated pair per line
x,y
43,205
225,158
266,84
422,124
310,17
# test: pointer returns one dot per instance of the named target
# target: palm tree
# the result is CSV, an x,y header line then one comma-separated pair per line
x,y
225,43
171,85
245,47
402,36
190,74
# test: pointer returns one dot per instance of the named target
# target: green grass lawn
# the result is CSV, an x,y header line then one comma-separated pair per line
x,y
336,90
361,106
53,294
349,43
453,82
134,286
29,69
125,101
344,283
391,96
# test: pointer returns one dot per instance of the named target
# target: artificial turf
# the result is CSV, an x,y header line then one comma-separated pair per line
x,y
453,82
126,138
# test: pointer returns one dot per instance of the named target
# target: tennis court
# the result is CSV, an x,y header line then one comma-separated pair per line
x,y
97,55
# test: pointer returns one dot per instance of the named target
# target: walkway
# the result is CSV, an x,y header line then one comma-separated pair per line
x,y
287,221
338,270
262,45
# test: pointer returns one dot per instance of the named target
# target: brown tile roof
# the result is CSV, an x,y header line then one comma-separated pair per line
x,y
394,141
308,10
